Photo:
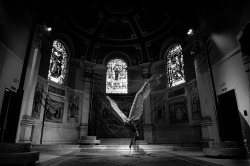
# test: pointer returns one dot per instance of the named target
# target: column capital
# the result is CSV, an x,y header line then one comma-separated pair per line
x,y
145,65
87,65
145,70
38,42
42,32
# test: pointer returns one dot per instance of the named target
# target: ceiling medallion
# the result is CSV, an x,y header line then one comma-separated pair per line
x,y
119,7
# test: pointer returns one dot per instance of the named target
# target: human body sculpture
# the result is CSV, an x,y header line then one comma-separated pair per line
x,y
136,109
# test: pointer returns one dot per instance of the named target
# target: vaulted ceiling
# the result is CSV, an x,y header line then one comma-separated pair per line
x,y
92,29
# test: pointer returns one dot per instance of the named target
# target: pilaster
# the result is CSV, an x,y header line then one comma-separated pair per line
x,y
87,105
26,121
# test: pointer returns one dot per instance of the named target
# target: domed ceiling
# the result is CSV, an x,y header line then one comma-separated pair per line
x,y
93,29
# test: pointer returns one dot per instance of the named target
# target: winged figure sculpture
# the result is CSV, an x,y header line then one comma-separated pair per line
x,y
136,109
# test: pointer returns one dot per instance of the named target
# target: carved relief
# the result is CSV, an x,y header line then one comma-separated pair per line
x,y
37,103
195,102
54,111
56,91
178,112
73,109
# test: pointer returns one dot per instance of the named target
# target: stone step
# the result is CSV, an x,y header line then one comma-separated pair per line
x,y
111,148
88,137
89,140
224,152
96,142
181,144
120,141
226,144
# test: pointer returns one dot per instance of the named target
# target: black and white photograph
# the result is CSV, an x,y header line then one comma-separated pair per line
x,y
125,82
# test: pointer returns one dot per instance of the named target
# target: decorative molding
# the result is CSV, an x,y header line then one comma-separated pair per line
x,y
38,42
83,124
147,126
206,121
57,91
75,90
27,120
176,92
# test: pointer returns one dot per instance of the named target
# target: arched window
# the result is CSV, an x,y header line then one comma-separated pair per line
x,y
116,76
58,63
175,64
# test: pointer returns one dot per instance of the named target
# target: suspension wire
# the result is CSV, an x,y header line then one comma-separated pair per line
x,y
159,100
114,119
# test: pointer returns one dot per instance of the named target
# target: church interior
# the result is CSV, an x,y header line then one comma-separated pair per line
x,y
75,74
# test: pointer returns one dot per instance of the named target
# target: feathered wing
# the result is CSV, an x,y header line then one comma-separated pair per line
x,y
137,106
117,110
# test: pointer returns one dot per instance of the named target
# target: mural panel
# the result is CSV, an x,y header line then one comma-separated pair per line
x,y
73,109
158,106
195,102
54,111
178,112
37,103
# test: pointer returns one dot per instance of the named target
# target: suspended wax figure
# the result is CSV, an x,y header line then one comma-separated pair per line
x,y
136,109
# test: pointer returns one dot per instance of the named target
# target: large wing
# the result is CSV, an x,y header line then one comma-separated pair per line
x,y
117,110
137,106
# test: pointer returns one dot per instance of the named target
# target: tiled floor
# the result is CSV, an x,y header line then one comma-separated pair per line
x,y
157,158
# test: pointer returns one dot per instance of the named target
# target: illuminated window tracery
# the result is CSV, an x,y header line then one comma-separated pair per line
x,y
58,63
116,76
175,64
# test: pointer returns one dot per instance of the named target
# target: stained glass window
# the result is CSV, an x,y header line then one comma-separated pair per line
x,y
116,77
58,63
175,64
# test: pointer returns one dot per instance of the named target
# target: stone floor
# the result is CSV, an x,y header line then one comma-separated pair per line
x,y
131,158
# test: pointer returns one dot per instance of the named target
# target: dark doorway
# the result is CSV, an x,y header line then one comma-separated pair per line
x,y
9,117
229,119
